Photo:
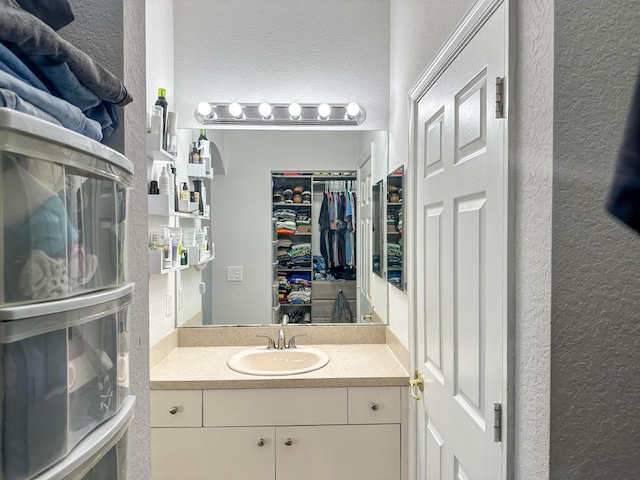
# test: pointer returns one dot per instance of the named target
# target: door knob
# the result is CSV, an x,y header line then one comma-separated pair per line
x,y
288,442
375,407
173,410
418,381
261,442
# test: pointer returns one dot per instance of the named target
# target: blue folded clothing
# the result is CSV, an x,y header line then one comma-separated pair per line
x,y
10,100
11,64
71,89
68,115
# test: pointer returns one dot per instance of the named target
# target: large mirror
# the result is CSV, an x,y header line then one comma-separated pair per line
x,y
239,286
395,214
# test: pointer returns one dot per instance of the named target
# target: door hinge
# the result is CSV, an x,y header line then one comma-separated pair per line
x,y
497,422
499,97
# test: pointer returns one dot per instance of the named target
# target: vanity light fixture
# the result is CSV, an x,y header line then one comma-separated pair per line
x,y
265,111
324,110
294,111
285,114
353,109
235,110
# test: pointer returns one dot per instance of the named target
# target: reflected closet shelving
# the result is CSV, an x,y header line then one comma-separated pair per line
x,y
301,254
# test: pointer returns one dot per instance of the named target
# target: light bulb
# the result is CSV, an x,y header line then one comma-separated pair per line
x,y
324,111
235,110
353,109
204,108
265,110
295,110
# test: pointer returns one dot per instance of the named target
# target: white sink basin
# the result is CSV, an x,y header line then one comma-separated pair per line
x,y
261,361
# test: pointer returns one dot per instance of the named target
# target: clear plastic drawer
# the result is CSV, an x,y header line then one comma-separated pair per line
x,y
65,371
62,212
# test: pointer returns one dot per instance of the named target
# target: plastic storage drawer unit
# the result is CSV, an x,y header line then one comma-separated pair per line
x,y
102,455
65,370
62,212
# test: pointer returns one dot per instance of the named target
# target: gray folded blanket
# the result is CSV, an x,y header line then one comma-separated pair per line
x,y
33,37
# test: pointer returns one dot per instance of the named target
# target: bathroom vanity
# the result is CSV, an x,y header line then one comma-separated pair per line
x,y
346,420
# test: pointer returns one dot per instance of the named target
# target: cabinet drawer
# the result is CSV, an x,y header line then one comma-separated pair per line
x,y
176,408
374,405
279,406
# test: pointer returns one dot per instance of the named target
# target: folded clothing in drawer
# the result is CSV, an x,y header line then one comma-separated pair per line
x,y
62,212
64,371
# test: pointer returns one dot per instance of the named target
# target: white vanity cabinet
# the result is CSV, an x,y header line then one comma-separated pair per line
x,y
281,433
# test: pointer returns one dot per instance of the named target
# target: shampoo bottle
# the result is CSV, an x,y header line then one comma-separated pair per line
x,y
162,101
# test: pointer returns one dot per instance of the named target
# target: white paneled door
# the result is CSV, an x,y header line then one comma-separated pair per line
x,y
461,252
364,232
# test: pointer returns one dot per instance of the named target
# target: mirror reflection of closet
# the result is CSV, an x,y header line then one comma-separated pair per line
x,y
315,257
395,243
377,238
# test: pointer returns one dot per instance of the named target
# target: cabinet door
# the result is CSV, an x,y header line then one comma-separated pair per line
x,y
338,452
237,453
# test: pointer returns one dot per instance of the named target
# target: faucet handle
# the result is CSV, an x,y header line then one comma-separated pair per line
x,y
272,343
292,339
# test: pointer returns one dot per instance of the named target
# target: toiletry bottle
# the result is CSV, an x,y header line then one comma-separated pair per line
x,y
172,133
204,147
194,156
174,188
184,193
197,187
162,101
163,182
156,120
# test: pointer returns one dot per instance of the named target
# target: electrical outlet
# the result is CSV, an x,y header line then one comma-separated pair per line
x,y
168,308
234,274
179,298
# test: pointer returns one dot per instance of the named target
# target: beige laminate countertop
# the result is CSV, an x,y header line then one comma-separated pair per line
x,y
205,368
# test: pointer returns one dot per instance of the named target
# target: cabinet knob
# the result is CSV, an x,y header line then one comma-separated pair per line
x,y
261,442
173,410
288,442
375,407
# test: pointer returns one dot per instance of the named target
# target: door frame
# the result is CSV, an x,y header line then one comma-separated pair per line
x,y
475,18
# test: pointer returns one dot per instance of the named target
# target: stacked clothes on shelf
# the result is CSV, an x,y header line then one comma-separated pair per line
x,y
394,255
285,221
284,245
294,288
43,75
303,222
300,255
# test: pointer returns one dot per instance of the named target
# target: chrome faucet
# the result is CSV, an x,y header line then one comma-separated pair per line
x,y
285,319
281,341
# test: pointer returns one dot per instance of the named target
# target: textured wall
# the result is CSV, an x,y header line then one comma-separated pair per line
x,y
159,43
533,109
282,51
135,149
595,346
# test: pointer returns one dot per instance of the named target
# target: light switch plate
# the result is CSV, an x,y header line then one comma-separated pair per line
x,y
234,274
